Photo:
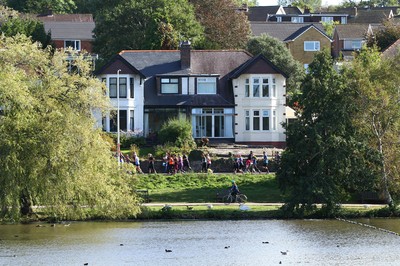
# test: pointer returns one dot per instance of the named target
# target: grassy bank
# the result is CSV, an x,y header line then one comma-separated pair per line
x,y
203,187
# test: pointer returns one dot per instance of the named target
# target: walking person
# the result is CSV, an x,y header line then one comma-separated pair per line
x,y
186,163
136,161
208,158
255,168
151,161
265,162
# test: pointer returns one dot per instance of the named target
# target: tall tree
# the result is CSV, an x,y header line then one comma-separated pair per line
x,y
144,24
224,27
377,83
324,158
385,36
52,154
278,54
11,24
40,6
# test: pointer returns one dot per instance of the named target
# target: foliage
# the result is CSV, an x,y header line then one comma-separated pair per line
x,y
376,81
40,6
386,36
247,2
52,154
28,27
325,159
127,139
329,27
275,51
11,24
224,27
312,5
144,24
178,132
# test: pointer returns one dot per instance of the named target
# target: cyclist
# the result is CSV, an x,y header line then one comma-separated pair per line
x,y
234,189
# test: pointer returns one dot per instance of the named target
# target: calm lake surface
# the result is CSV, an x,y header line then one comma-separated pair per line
x,y
308,242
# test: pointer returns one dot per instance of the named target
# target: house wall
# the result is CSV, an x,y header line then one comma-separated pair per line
x,y
135,104
85,45
297,46
274,137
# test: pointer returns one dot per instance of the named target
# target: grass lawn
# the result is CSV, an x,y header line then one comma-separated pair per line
x,y
201,188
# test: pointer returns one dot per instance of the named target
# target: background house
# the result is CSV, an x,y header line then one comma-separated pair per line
x,y
348,39
70,30
302,40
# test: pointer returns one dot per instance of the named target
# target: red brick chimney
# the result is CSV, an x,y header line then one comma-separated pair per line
x,y
185,54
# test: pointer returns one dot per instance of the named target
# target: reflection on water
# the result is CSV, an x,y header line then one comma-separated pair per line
x,y
308,242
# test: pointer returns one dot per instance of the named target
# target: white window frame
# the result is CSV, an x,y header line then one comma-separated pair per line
x,y
210,85
74,46
312,46
169,85
247,88
343,20
254,120
278,19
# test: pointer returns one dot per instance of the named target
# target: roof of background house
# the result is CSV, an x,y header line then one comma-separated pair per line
x,y
281,31
68,26
392,50
292,10
304,29
203,62
369,16
66,17
351,31
260,13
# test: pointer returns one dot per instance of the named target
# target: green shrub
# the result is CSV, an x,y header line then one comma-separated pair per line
x,y
177,132
127,139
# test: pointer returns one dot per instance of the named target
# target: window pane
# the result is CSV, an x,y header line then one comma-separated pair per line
x,y
131,88
247,121
122,88
265,90
256,123
206,85
247,90
265,123
113,88
169,88
256,90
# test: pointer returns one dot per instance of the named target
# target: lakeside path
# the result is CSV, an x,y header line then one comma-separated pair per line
x,y
179,204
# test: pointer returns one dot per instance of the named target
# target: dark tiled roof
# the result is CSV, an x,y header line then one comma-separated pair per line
x,y
281,31
369,16
351,31
67,26
304,29
246,65
392,50
203,62
292,10
260,13
66,17
70,30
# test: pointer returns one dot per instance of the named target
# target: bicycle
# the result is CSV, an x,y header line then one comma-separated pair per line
x,y
238,198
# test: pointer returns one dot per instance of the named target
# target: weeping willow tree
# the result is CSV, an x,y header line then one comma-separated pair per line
x,y
51,153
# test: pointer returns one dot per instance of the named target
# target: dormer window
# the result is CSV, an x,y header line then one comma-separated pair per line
x,y
327,19
169,85
74,44
206,85
297,20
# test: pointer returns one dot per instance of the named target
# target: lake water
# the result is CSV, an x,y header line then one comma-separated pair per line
x,y
307,242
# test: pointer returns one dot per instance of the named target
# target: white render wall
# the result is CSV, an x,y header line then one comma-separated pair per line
x,y
243,103
136,104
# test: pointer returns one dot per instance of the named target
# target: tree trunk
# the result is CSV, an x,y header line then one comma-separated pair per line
x,y
26,204
388,197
